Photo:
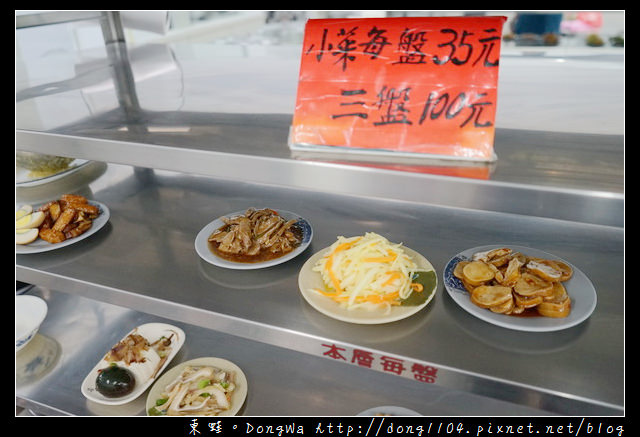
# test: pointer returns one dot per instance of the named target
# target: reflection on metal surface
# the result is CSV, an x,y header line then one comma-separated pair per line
x,y
36,359
22,287
369,335
76,182
25,178
249,280
509,341
266,367
133,408
112,27
54,17
399,162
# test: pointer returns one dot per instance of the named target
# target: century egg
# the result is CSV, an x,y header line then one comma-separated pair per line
x,y
115,381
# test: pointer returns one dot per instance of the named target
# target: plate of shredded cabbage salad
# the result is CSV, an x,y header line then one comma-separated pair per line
x,y
367,279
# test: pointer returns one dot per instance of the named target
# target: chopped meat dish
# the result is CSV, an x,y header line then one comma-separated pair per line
x,y
257,233
130,350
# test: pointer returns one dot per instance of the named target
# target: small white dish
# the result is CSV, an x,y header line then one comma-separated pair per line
x,y
237,398
580,289
25,179
150,331
41,245
309,280
30,313
202,243
389,410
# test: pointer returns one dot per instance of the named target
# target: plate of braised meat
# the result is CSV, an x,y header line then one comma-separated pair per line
x,y
254,238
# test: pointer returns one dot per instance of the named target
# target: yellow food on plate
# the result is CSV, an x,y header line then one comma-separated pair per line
x,y
457,271
487,296
527,301
366,272
545,269
512,283
504,308
26,236
558,304
31,220
65,218
478,272
531,285
23,210
512,272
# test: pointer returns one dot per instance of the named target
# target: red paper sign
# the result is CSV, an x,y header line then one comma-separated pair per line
x,y
419,85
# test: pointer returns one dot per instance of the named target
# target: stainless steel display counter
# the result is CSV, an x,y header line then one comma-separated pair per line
x,y
281,381
163,185
144,259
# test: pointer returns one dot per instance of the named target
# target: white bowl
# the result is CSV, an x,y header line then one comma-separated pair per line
x,y
30,313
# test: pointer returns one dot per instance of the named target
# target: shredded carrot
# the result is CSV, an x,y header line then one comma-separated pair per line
x,y
387,298
354,272
379,259
382,259
333,296
329,265
417,287
391,298
393,275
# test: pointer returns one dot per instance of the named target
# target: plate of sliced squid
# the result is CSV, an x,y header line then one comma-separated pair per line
x,y
207,386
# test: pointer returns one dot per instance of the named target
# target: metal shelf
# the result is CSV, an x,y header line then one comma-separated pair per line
x,y
165,173
270,164
52,367
145,260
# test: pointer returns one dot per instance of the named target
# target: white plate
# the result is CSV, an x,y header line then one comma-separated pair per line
x,y
580,289
388,410
23,178
150,331
202,244
237,398
308,280
39,245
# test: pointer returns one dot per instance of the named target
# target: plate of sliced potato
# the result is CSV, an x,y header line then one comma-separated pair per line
x,y
519,288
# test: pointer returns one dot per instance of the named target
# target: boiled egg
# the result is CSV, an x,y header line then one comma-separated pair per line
x,y
23,211
26,236
32,220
